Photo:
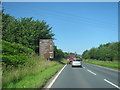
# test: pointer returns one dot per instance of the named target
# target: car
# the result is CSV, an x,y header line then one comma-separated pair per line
x,y
76,62
70,60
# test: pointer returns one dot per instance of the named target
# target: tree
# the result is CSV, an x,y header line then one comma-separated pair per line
x,y
58,53
104,52
25,31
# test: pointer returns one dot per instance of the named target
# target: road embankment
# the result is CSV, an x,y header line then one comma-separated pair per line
x,y
34,75
108,64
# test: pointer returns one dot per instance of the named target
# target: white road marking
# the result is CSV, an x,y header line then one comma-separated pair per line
x,y
91,72
83,67
49,86
112,83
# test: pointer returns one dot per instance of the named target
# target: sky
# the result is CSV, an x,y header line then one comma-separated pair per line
x,y
78,26
61,0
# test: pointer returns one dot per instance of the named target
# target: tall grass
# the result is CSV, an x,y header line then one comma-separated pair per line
x,y
38,80
21,67
35,65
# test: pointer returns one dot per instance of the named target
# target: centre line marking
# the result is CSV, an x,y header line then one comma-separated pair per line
x,y
91,72
112,83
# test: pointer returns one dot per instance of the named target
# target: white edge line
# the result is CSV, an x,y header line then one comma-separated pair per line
x,y
91,72
112,83
49,86
83,67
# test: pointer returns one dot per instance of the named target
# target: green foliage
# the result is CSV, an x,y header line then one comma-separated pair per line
x,y
25,31
66,55
14,59
106,52
36,65
109,64
38,80
59,53
14,54
14,48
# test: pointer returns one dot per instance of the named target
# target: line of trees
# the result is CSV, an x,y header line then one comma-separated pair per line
x,y
27,32
106,52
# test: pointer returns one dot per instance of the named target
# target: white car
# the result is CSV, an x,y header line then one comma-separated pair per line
x,y
77,62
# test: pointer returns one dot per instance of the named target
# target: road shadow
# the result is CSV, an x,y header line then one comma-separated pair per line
x,y
61,62
77,67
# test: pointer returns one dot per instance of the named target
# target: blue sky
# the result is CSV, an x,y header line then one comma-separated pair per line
x,y
77,25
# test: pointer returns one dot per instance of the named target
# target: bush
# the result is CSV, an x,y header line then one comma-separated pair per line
x,y
14,59
14,49
15,54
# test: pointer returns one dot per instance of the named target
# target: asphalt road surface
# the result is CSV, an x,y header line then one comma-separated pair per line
x,y
89,76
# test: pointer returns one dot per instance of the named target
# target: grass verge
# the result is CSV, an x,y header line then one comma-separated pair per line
x,y
38,80
33,74
109,64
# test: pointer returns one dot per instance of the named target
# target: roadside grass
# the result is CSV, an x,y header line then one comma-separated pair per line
x,y
109,64
38,80
33,74
64,61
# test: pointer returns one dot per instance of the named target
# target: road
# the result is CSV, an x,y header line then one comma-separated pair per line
x,y
90,76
